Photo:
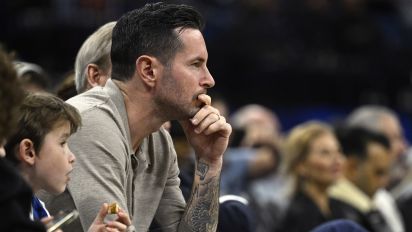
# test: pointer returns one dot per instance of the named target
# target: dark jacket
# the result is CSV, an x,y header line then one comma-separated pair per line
x,y
304,215
15,201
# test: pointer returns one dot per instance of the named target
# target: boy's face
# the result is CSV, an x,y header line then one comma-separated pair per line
x,y
55,160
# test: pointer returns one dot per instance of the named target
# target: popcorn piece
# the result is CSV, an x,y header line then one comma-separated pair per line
x,y
113,208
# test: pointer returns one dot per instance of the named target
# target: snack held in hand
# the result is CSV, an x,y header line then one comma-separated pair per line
x,y
113,208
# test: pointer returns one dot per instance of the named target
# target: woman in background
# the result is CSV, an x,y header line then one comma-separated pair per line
x,y
313,160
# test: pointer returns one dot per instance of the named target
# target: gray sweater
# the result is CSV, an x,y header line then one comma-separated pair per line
x,y
144,183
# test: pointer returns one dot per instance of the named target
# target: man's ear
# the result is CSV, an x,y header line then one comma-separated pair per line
x,y
93,75
27,153
147,68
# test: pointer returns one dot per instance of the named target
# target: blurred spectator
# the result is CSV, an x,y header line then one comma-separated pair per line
x,y
252,159
366,171
93,66
312,157
257,136
405,7
340,225
235,215
11,96
344,43
15,194
383,120
32,77
67,88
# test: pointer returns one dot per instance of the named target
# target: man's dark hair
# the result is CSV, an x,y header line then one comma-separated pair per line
x,y
355,140
150,30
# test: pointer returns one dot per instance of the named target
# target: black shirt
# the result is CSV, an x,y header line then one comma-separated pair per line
x,y
15,201
304,215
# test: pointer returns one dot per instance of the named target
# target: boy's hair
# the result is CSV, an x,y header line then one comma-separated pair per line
x,y
38,115
150,30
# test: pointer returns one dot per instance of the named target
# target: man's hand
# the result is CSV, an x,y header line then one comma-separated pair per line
x,y
207,132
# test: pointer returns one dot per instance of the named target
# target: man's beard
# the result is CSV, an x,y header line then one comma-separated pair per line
x,y
170,101
173,109
171,104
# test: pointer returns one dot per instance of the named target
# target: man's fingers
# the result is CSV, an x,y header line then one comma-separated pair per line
x,y
116,225
212,123
208,119
205,99
203,114
124,218
102,213
108,229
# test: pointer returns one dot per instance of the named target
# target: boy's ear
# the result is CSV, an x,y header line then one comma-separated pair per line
x,y
27,153
147,67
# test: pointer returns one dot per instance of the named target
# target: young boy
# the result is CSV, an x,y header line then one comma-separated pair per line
x,y
39,150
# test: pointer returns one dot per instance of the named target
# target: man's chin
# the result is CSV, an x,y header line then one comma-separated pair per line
x,y
186,113
187,116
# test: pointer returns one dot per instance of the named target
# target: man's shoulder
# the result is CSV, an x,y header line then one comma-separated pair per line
x,y
89,99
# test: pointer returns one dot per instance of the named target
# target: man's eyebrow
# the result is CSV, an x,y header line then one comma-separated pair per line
x,y
198,58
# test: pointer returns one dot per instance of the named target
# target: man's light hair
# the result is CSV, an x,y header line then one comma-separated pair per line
x,y
252,112
95,50
369,116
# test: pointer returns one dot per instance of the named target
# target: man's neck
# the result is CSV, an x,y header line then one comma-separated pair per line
x,y
142,118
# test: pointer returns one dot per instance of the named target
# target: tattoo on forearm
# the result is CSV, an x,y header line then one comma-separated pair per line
x,y
202,169
203,206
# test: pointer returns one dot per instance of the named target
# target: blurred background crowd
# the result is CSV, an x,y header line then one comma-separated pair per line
x,y
278,64
332,55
